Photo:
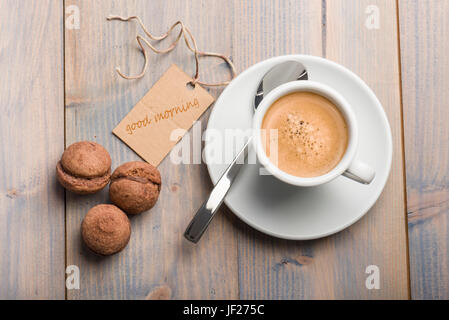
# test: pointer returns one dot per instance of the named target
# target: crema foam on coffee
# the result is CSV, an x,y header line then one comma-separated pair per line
x,y
312,134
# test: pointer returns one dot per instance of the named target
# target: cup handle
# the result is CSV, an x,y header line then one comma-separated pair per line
x,y
360,172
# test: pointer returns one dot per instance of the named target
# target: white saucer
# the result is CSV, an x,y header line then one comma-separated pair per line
x,y
289,212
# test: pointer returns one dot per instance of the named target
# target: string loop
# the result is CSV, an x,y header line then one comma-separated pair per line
x,y
185,33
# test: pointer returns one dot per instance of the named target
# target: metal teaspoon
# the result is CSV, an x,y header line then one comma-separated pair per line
x,y
284,72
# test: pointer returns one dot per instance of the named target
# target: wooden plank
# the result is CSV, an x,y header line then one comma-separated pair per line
x,y
374,55
275,28
158,262
32,134
333,267
425,87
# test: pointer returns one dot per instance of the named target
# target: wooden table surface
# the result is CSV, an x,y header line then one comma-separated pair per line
x,y
58,86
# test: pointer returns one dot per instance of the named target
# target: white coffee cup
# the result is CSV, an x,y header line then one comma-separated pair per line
x,y
348,166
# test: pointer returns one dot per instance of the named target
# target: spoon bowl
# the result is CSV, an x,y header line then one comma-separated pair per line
x,y
282,73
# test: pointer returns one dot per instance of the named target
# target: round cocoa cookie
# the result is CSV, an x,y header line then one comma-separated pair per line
x,y
135,186
106,229
85,167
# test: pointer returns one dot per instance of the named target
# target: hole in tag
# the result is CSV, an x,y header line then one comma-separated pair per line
x,y
190,86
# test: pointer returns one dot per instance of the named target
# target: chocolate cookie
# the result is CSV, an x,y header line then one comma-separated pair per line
x,y
135,186
106,229
85,167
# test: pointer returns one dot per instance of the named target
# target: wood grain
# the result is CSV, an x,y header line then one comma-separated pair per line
x,y
158,262
373,54
232,260
32,134
271,268
425,87
333,267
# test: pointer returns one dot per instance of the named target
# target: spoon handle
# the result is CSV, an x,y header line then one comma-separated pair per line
x,y
207,211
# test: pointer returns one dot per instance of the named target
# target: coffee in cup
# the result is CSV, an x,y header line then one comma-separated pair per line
x,y
312,134
316,135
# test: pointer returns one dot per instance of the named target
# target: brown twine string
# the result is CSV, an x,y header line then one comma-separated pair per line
x,y
183,32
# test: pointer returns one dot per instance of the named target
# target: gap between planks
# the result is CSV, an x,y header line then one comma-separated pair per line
x,y
65,145
404,176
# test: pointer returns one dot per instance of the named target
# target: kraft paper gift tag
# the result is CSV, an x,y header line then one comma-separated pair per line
x,y
168,105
